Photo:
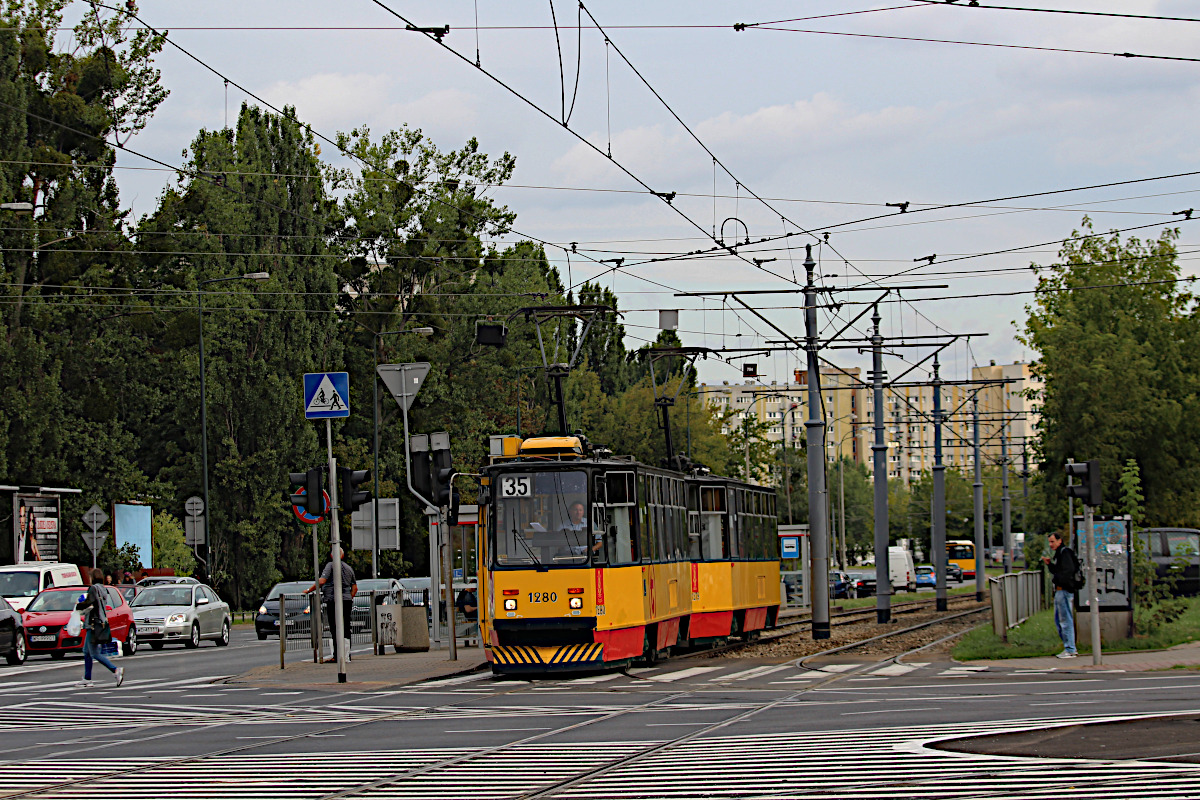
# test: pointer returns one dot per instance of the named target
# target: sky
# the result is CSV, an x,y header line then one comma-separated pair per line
x,y
825,126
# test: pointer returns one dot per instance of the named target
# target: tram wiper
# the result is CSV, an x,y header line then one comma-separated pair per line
x,y
533,556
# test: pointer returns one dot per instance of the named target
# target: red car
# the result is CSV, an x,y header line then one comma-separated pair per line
x,y
47,615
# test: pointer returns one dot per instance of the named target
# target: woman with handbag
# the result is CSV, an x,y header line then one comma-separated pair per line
x,y
97,631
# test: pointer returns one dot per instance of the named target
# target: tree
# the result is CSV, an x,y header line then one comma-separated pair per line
x,y
169,549
1116,338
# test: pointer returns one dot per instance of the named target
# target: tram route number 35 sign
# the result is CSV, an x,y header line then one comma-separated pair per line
x,y
515,486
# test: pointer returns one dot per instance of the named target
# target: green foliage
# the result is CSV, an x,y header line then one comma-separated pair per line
x,y
1036,546
1120,370
170,551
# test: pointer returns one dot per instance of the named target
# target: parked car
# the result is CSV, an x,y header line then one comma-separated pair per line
x,y
862,582
1175,553
20,583
839,585
159,580
47,615
954,572
12,634
266,622
182,613
130,590
926,576
416,591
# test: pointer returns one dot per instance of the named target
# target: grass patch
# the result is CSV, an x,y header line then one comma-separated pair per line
x,y
1037,636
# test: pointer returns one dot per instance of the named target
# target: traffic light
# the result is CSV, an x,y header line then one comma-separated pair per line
x,y
349,498
1087,486
312,500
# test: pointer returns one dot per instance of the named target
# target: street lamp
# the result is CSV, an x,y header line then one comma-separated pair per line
x,y
249,276
841,482
422,332
20,208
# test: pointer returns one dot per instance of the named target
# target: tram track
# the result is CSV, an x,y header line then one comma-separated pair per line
x,y
557,787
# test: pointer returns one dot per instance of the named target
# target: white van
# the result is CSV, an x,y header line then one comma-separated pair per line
x,y
20,583
901,570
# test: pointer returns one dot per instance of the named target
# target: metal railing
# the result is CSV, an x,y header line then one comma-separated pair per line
x,y
297,631
1016,596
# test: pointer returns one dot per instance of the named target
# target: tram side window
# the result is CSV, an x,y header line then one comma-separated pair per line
x,y
645,529
619,538
733,548
694,522
712,513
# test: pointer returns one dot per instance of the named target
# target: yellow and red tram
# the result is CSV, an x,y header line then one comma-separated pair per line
x,y
594,561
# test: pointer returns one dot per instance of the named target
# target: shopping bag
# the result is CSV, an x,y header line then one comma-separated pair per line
x,y
109,648
75,625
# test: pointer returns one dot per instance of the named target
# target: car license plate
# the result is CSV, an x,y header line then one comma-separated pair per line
x,y
43,638
151,629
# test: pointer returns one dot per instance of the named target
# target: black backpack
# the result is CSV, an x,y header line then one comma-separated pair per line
x,y
1077,580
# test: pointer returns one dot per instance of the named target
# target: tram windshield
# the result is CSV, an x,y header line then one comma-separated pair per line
x,y
542,520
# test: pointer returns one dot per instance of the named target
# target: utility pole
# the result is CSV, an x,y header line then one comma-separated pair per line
x,y
977,492
814,435
939,493
883,575
1005,500
1025,484
842,510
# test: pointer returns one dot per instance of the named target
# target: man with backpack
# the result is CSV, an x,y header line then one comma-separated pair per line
x,y
1068,579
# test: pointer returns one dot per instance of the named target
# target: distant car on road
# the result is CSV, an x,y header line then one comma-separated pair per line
x,y
20,583
183,613
839,585
49,612
129,590
863,582
1175,553
954,573
266,622
926,576
159,580
12,634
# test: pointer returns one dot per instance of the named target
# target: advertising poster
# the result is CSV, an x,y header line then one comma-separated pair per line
x,y
36,527
1114,563
132,525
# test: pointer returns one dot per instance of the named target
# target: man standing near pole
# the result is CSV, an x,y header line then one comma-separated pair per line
x,y
1062,569
349,586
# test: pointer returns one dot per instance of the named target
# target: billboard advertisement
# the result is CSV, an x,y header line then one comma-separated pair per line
x,y
132,525
36,527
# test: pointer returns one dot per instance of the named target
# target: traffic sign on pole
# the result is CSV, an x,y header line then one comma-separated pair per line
x,y
194,506
312,519
95,517
326,395
193,530
404,380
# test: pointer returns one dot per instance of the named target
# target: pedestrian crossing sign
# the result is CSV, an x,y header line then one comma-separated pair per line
x,y
326,395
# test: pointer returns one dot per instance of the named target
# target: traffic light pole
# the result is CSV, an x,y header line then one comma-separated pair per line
x,y
1005,498
1089,538
445,546
335,556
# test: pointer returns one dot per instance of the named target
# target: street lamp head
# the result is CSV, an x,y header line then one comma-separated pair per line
x,y
257,276
20,208
423,331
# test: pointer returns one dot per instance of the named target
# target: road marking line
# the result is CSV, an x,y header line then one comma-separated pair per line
x,y
887,711
756,672
681,674
497,730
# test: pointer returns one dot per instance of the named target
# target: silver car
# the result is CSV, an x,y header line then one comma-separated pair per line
x,y
181,613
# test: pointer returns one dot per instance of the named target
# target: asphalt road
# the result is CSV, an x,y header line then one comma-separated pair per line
x,y
688,728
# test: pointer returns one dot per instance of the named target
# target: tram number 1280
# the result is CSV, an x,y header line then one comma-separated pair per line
x,y
543,597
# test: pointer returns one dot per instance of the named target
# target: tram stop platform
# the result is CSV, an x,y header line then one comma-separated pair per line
x,y
365,672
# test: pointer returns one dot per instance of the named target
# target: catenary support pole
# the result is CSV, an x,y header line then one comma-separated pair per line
x,y
375,498
335,556
883,575
1005,499
444,538
938,545
814,434
977,492
1089,541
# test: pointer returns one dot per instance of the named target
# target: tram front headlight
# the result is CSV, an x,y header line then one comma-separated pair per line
x,y
575,602
510,605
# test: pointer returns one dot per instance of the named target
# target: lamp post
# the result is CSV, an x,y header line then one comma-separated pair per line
x,y
422,332
842,483
249,276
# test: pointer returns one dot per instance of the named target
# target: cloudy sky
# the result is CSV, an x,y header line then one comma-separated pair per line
x,y
827,127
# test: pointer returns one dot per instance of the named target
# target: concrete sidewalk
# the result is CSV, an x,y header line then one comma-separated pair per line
x,y
365,672
1139,661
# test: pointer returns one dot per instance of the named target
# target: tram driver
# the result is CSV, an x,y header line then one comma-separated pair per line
x,y
575,529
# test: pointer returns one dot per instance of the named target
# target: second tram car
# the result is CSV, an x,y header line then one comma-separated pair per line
x,y
594,561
